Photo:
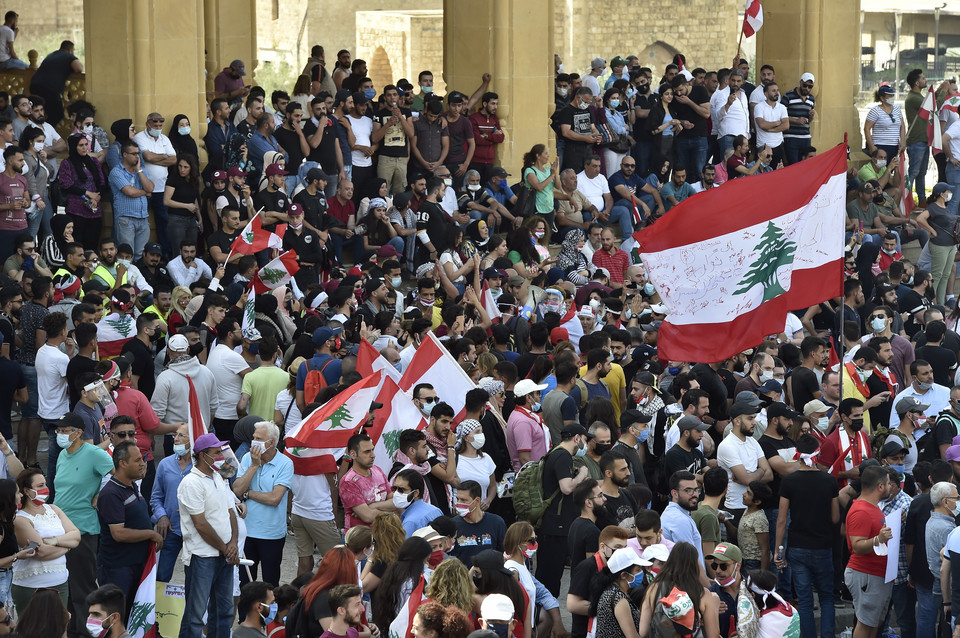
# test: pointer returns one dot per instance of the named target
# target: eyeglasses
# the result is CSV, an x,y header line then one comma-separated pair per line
x,y
880,316
125,435
692,490
715,566
158,121
400,490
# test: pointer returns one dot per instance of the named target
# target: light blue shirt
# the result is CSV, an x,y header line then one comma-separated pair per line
x,y
669,190
679,526
418,514
163,498
265,521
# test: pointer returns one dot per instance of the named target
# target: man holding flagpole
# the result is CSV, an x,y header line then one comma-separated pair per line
x,y
918,145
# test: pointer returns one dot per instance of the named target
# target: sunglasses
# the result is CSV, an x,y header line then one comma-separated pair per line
x,y
125,435
807,86
718,566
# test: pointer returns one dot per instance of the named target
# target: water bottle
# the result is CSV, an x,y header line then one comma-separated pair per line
x,y
846,633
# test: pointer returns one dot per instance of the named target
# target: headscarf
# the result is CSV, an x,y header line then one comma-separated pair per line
x,y
245,427
58,224
234,153
473,233
83,163
270,157
567,258
372,188
465,428
491,385
286,321
182,144
121,130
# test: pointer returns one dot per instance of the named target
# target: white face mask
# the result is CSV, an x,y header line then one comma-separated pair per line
x,y
400,501
823,423
473,188
38,146
259,445
947,196
448,181
478,440
88,129
881,163
564,92
766,376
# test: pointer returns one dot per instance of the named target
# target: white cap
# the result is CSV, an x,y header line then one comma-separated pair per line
x,y
526,386
625,557
659,308
807,77
497,607
602,271
178,343
658,551
687,75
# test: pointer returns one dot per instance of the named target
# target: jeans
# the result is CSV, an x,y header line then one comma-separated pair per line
x,y
793,147
918,156
726,143
928,605
903,601
208,588
813,568
622,213
397,242
33,223
13,63
953,178
642,152
783,577
82,579
29,409
53,451
691,154
160,219
167,559
135,233
126,577
179,227
355,243
6,581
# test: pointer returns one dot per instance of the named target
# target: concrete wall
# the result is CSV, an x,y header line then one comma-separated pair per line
x,y
400,44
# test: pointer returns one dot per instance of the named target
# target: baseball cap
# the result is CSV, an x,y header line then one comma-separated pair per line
x,y
316,173
690,422
624,558
886,89
295,209
497,607
726,552
891,448
341,96
559,334
952,453
124,362
206,441
807,77
372,284
910,404
218,174
598,63
770,385
324,334
740,408
601,272
178,343
275,169
569,431
515,280
401,200
491,559
629,417
647,378
779,409
387,251
618,61
745,396
70,420
359,99
659,309
153,248
526,386
235,171
238,66
940,188
493,273
428,534
815,406
657,551
499,171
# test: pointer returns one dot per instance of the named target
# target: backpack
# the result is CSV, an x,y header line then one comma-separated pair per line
x,y
927,448
584,393
314,382
296,625
880,437
528,501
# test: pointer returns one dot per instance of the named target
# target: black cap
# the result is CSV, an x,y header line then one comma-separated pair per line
x,y
572,430
890,448
70,420
647,378
491,559
375,405
316,173
153,248
779,409
124,362
498,171
629,417
402,199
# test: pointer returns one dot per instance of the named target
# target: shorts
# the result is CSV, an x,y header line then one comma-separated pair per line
x,y
871,596
308,532
29,410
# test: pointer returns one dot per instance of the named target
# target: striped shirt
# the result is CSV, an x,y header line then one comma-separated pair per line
x,y
798,107
886,127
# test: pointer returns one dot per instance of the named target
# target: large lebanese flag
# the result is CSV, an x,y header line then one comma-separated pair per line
x,y
142,622
731,263
113,331
752,18
398,413
370,361
433,364
332,424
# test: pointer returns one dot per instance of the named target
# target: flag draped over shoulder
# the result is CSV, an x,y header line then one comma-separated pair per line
x,y
730,263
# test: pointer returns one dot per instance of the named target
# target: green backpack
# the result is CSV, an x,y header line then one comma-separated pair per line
x,y
528,501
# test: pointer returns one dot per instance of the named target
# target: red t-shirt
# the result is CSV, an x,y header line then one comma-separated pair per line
x,y
732,165
865,520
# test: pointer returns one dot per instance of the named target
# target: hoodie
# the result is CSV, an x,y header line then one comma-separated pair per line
x,y
171,396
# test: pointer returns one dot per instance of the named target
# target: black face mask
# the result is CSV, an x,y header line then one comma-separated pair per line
x,y
156,336
643,88
196,349
600,448
856,425
478,580
502,629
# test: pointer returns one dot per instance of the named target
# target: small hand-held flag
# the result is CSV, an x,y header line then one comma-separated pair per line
x,y
254,238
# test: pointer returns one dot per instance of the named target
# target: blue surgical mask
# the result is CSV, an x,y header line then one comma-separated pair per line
x,y
643,436
648,289
673,370
179,449
271,614
369,93
184,130
63,440
582,450
426,89
614,103
428,407
396,281
637,580
901,469
878,324
154,132
535,407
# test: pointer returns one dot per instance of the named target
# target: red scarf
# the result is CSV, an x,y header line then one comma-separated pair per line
x,y
858,383
888,378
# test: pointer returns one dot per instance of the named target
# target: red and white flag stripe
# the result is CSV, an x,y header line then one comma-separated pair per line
x,y
752,18
432,363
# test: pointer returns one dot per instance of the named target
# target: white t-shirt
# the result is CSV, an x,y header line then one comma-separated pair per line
x,y
593,189
311,497
292,418
769,113
793,325
526,581
954,132
161,146
734,121
52,382
476,469
226,366
590,81
732,452
362,129
449,201
758,96
6,39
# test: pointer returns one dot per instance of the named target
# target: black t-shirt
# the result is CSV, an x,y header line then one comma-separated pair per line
x,y
810,494
637,475
432,218
771,448
306,245
290,142
394,142
119,503
951,341
698,95
12,378
711,383
277,202
8,332
803,383
619,509
77,366
525,361
944,429
677,459
325,153
640,129
53,72
880,414
582,539
157,277
142,365
915,533
913,302
246,129
315,209
183,193
941,360
495,444
580,579
223,241
580,121
557,466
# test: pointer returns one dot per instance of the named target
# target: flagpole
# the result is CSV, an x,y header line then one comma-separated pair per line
x,y
740,41
230,254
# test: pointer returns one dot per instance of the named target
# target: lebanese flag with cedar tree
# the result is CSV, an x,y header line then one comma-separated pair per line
x,y
752,18
277,273
571,322
254,238
113,332
730,265
928,113
432,363
142,622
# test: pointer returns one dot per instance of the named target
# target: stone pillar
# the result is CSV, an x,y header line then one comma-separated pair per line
x,y
512,40
144,56
229,33
820,37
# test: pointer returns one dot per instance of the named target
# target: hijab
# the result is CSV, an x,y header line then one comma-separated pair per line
x,y
567,258
270,157
234,153
182,144
83,163
121,130
58,224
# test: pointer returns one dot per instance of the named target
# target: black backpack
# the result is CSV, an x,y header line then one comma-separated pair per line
x,y
927,448
296,625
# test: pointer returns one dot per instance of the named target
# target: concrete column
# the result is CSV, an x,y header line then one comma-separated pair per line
x,y
511,39
144,56
229,33
820,37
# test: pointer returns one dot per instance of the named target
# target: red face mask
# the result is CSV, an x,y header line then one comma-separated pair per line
x,y
436,558
41,497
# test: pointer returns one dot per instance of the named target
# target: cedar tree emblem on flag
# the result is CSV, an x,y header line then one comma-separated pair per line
x,y
776,251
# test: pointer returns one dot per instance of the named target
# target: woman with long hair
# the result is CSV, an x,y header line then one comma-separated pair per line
x,y
942,247
610,603
520,545
434,620
46,616
177,318
451,585
495,248
54,534
663,127
181,196
380,232
602,410
541,239
388,536
612,99
337,567
301,92
38,170
451,262
400,580
681,571
10,552
523,253
490,576
82,182
542,177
